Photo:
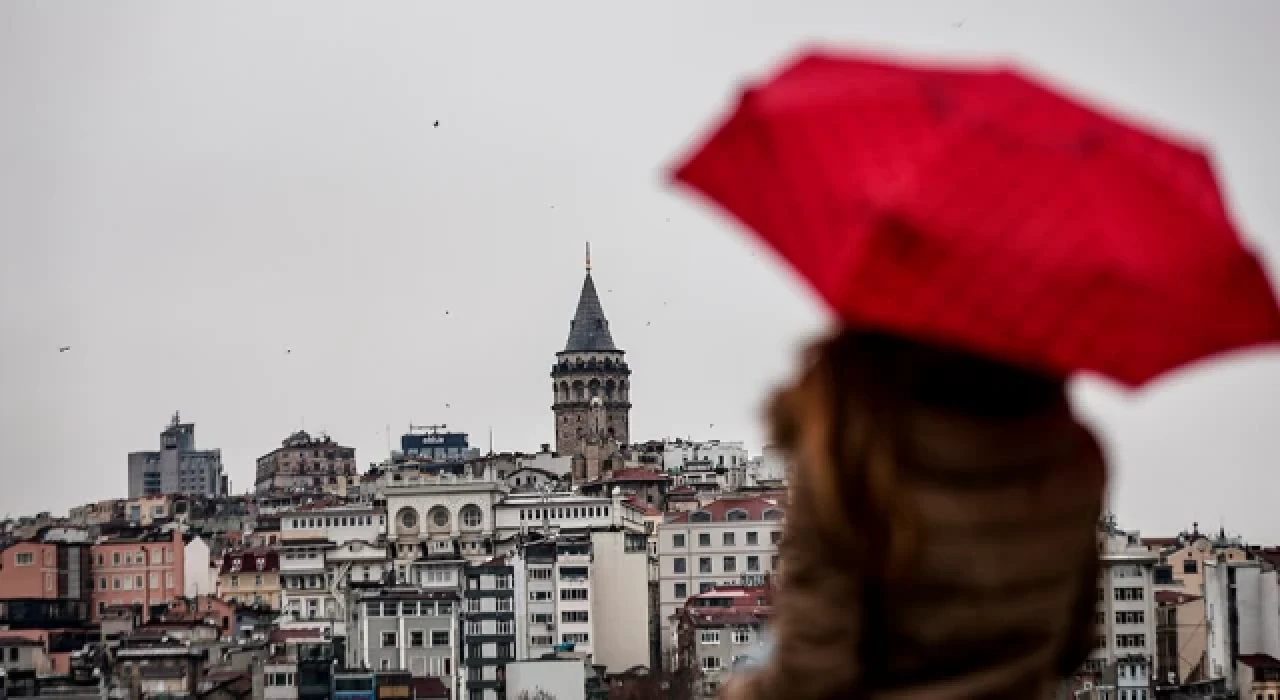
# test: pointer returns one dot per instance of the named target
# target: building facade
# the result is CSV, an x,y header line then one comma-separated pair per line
x,y
719,630
177,467
730,541
308,464
146,569
251,577
489,627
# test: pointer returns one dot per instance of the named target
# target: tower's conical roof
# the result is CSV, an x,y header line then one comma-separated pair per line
x,y
589,329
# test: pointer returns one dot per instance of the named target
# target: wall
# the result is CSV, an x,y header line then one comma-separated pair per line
x,y
198,577
38,579
562,679
621,590
161,571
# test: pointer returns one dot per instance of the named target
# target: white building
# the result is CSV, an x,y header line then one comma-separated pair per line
x,y
730,541
1242,610
550,513
767,470
1126,614
321,551
711,467
434,515
562,679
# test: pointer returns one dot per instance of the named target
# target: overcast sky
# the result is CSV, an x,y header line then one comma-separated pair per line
x,y
189,189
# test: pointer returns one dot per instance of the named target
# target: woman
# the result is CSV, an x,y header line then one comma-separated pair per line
x,y
940,540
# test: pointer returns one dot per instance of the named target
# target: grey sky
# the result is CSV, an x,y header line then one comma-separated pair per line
x,y
186,190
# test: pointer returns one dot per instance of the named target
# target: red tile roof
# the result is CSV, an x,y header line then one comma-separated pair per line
x,y
754,507
747,605
251,561
648,509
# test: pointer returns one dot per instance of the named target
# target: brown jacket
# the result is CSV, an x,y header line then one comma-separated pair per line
x,y
999,602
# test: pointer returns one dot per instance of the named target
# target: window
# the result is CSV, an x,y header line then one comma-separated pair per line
x,y
1130,641
540,618
775,537
372,609
753,563
544,640
753,538
573,594
1135,617
115,583
742,635
575,638
409,608
502,582
677,540
154,583
727,539
390,609
388,639
710,663
539,596
1189,566
704,539
705,586
475,627
573,616
504,605
730,564
709,637
681,591
386,663
704,565
1128,594
257,580
115,559
678,565
471,516
439,638
235,582
102,583
24,558
539,574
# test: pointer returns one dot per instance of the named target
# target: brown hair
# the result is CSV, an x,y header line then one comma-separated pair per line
x,y
842,421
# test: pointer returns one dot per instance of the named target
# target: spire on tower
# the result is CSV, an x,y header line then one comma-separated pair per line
x,y
588,257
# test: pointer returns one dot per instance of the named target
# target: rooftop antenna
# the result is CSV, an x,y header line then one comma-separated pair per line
x,y
491,439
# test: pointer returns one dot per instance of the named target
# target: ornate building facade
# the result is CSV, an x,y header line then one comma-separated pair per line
x,y
591,390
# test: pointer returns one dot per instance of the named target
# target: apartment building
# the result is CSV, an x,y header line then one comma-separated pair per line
x,y
405,629
729,541
146,568
489,632
1126,612
442,513
307,464
177,467
1242,601
720,629
251,577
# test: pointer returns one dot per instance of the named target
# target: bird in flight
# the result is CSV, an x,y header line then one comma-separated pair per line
x,y
437,124
64,348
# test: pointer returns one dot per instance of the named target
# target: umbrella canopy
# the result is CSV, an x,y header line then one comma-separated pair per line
x,y
982,209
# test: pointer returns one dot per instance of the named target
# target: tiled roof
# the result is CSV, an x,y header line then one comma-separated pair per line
x,y
252,561
1260,661
20,642
718,510
589,329
648,509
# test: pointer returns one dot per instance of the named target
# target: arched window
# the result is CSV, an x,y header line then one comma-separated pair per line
x,y
439,517
773,514
408,518
471,515
700,516
736,514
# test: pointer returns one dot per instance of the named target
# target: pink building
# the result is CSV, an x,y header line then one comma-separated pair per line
x,y
29,570
140,570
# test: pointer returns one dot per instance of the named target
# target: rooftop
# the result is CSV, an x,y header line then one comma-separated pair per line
x,y
731,509
1260,661
589,329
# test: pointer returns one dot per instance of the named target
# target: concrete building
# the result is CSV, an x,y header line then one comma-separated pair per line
x,y
1243,614
177,467
730,541
251,577
1126,613
46,567
441,514
769,470
307,464
712,467
551,513
322,550
1258,676
405,629
591,389
719,630
490,627
145,568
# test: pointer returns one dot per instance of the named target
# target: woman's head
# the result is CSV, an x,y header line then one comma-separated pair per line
x,y
843,418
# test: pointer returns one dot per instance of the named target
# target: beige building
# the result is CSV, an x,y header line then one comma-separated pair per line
x,y
307,464
250,577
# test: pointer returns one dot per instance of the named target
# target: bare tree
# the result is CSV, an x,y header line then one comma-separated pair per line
x,y
537,694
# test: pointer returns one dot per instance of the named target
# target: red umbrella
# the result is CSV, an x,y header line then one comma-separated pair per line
x,y
981,209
